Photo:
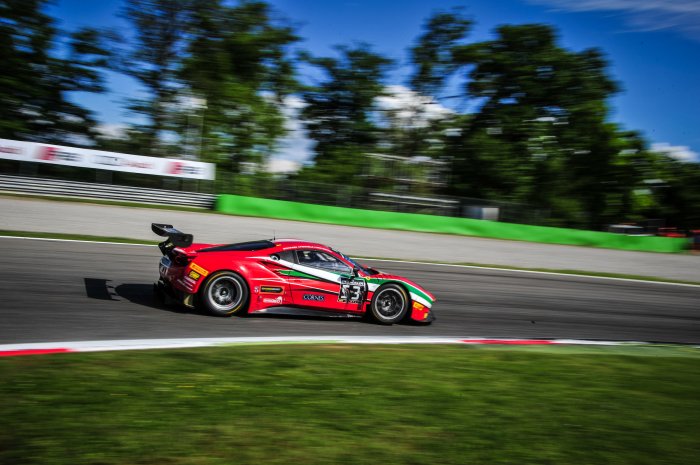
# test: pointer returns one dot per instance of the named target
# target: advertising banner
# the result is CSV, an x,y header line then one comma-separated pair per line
x,y
98,159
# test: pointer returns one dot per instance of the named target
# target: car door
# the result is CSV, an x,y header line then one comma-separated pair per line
x,y
269,285
316,280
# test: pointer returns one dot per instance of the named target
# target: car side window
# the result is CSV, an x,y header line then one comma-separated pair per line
x,y
286,256
322,260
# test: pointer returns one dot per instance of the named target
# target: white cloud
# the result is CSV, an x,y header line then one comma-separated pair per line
x,y
294,147
644,15
280,166
112,131
410,109
679,152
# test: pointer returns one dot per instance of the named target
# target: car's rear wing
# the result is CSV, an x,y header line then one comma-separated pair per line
x,y
175,237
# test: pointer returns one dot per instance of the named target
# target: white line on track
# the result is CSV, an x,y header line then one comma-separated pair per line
x,y
553,273
452,265
49,239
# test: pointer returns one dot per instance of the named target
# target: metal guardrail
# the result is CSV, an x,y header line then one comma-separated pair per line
x,y
446,207
59,187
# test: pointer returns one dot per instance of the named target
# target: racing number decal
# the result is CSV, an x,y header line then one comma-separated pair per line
x,y
352,290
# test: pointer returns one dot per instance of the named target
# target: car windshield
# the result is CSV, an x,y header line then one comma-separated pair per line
x,y
352,262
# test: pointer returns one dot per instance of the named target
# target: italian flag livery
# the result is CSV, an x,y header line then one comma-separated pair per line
x,y
261,276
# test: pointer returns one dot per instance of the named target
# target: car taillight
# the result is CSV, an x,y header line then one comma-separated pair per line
x,y
180,258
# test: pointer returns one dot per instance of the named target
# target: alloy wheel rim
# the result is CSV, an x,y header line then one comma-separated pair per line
x,y
390,303
225,293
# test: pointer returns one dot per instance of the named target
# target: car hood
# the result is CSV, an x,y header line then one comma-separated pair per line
x,y
381,278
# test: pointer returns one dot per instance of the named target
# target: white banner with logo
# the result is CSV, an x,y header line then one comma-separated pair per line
x,y
101,160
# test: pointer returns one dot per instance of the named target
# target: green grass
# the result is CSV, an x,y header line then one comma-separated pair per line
x,y
74,237
345,404
211,211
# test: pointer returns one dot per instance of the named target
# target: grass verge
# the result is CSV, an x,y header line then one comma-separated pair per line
x,y
345,404
74,237
242,214
82,237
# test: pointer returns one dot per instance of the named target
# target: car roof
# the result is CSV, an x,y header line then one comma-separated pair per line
x,y
267,245
291,244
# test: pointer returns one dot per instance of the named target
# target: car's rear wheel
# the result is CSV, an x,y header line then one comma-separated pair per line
x,y
389,304
224,294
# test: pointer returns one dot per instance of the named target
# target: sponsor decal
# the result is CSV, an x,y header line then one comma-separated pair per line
x,y
194,275
180,167
419,312
164,266
268,300
352,290
186,282
54,154
10,150
98,159
270,290
198,269
314,297
106,160
111,160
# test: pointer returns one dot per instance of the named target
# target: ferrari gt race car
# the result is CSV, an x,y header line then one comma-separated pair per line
x,y
252,277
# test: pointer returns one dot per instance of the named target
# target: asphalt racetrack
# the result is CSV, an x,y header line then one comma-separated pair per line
x,y
70,291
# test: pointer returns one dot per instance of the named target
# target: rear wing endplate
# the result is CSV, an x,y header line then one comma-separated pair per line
x,y
175,237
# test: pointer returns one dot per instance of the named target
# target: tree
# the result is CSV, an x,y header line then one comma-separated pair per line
x,y
238,62
154,60
674,191
433,54
339,112
36,82
540,135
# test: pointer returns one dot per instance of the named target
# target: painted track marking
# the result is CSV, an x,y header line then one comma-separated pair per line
x,y
453,265
10,350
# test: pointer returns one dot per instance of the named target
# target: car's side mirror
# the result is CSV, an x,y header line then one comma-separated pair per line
x,y
355,271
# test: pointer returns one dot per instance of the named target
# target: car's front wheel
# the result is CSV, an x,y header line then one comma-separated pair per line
x,y
224,294
389,304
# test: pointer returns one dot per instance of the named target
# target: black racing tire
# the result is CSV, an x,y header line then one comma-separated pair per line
x,y
224,294
390,304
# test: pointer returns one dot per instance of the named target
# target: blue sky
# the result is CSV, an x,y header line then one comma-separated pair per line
x,y
653,47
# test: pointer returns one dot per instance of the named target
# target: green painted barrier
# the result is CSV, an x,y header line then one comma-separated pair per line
x,y
280,209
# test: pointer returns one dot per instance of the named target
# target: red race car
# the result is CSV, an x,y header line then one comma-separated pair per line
x,y
256,276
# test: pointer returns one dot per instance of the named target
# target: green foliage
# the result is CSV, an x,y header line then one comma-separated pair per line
x,y
216,75
541,135
219,76
153,60
35,82
675,192
237,60
433,54
339,111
